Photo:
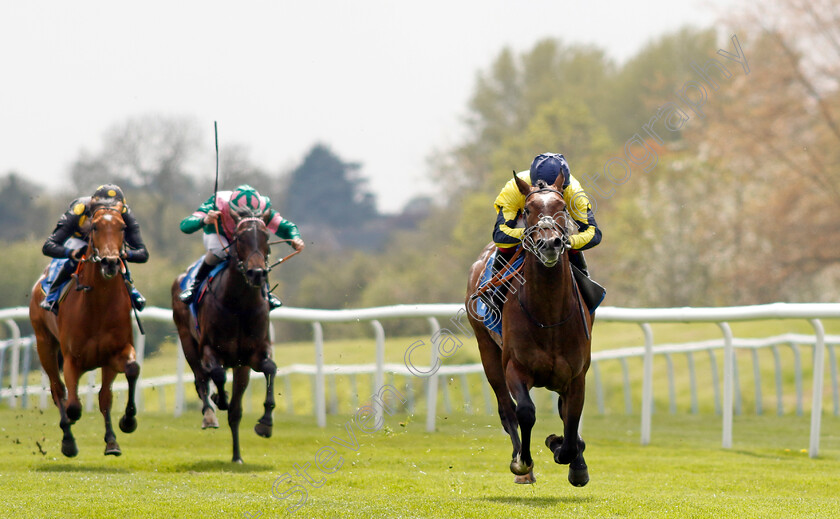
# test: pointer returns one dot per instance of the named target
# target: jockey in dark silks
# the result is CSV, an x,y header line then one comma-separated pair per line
x,y
507,233
214,218
69,240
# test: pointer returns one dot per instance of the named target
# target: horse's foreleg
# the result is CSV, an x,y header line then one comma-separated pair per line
x,y
70,409
217,374
519,383
48,349
105,401
491,360
264,425
128,423
73,406
241,375
569,448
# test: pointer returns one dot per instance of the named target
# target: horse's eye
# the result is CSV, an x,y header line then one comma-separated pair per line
x,y
526,211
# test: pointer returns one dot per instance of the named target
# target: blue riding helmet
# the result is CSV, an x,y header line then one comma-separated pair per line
x,y
547,166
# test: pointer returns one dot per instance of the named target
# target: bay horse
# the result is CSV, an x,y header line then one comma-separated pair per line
x,y
231,329
92,330
546,335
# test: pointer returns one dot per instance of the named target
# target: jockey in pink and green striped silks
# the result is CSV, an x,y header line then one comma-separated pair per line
x,y
215,218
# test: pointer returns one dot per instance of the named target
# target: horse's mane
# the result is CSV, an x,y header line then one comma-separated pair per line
x,y
541,184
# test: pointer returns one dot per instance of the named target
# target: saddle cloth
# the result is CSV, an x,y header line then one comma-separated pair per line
x,y
492,320
53,269
201,289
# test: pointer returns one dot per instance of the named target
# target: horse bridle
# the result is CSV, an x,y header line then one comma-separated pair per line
x,y
240,264
545,222
95,257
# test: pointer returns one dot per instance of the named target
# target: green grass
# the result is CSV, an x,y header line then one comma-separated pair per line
x,y
171,468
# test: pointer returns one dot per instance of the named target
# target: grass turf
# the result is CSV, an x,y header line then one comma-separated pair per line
x,y
171,468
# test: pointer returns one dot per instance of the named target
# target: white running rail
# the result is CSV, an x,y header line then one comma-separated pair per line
x,y
16,387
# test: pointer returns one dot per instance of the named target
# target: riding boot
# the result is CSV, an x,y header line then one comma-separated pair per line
x,y
63,276
137,299
576,258
188,295
273,302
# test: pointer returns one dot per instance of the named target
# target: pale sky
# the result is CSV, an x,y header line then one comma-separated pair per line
x,y
384,83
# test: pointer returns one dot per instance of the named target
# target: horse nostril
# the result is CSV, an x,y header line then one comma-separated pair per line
x,y
557,242
256,274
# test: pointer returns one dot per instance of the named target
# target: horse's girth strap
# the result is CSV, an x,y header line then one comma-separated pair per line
x,y
497,279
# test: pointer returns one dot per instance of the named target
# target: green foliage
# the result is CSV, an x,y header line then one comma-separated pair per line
x,y
325,190
649,79
20,202
513,92
561,125
21,264
336,281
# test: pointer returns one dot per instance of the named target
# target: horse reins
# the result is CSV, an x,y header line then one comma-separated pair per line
x,y
499,278
526,235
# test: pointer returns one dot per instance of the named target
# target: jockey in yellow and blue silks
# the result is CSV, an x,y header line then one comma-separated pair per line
x,y
215,214
507,233
69,240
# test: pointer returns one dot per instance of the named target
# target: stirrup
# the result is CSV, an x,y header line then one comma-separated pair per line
x,y
138,301
51,306
274,302
187,295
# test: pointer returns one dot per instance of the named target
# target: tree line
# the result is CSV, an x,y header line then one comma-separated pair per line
x,y
741,206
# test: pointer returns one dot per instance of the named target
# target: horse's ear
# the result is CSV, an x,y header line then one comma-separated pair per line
x,y
266,216
523,186
235,216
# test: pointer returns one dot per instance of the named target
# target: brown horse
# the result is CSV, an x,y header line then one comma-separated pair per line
x,y
232,329
545,339
92,330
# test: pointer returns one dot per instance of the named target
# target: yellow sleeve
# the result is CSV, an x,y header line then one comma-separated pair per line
x,y
577,203
510,201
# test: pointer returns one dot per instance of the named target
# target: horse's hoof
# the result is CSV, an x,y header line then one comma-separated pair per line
x,y
68,448
209,419
579,476
220,402
553,442
74,412
519,468
263,430
527,479
112,448
128,424
565,456
237,460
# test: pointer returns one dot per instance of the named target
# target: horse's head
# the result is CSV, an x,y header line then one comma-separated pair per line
x,y
546,232
106,237
251,247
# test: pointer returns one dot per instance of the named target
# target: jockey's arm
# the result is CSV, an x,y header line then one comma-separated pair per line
x,y
196,221
136,251
284,229
508,205
66,226
577,203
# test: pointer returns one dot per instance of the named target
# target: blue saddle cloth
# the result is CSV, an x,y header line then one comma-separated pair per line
x,y
53,269
492,320
190,276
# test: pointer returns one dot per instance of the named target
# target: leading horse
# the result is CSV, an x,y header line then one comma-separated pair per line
x,y
545,340
92,330
231,329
